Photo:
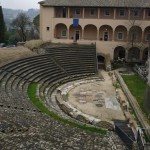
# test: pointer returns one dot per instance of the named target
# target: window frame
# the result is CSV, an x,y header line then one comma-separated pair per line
x,y
123,12
146,37
91,11
62,33
118,36
106,33
105,11
76,9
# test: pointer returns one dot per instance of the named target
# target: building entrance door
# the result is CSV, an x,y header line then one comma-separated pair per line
x,y
106,36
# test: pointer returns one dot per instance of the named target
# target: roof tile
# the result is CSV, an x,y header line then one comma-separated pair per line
x,y
97,3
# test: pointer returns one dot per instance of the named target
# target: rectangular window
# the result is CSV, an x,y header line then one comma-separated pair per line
x,y
148,12
77,11
147,37
64,33
121,12
120,36
47,28
107,12
92,12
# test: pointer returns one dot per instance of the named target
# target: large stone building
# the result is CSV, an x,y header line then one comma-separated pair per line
x,y
120,28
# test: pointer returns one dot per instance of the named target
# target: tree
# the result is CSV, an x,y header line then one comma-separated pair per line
x,y
36,22
134,43
2,27
20,23
135,25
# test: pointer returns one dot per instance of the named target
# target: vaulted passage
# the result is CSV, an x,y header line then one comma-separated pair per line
x,y
90,32
134,54
119,53
61,31
101,62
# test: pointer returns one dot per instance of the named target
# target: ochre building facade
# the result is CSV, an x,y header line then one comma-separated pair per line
x,y
120,29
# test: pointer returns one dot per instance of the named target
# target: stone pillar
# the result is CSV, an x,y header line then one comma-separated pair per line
x,y
144,11
83,12
129,13
98,34
113,35
142,38
126,55
83,34
98,13
67,33
114,13
68,12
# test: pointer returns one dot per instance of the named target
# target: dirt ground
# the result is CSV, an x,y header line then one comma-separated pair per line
x,y
86,98
11,54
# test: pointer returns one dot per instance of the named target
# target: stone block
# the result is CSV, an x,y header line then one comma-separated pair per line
x,y
65,108
82,119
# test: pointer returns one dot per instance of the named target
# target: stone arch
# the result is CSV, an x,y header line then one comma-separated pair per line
x,y
101,61
100,58
61,31
90,32
135,34
145,54
134,54
106,33
119,53
75,32
120,31
104,61
147,34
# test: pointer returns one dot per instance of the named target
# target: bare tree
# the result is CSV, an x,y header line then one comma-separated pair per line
x,y
20,23
135,24
135,32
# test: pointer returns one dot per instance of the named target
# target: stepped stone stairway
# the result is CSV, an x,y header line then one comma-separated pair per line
x,y
22,125
125,133
81,57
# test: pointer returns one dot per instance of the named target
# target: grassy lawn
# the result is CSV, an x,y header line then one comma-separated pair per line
x,y
32,95
137,86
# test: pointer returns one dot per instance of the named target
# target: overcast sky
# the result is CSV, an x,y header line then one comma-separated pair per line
x,y
20,4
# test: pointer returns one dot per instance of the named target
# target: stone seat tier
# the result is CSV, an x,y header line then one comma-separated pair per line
x,y
21,62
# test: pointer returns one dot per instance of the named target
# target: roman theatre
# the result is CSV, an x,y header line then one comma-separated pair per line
x,y
92,100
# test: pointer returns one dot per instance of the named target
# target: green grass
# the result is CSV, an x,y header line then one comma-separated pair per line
x,y
137,86
32,95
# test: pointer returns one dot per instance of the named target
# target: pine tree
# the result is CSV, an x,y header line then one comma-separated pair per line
x,y
2,26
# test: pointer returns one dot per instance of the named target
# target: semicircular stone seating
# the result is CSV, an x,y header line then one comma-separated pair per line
x,y
23,125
